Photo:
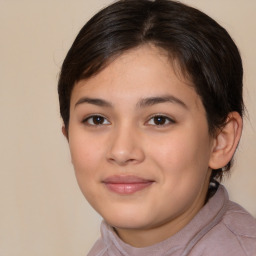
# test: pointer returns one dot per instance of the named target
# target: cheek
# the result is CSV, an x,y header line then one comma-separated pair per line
x,y
182,153
86,164
86,155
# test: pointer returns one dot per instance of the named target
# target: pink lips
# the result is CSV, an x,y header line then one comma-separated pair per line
x,y
126,185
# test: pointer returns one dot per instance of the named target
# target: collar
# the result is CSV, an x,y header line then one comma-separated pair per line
x,y
183,241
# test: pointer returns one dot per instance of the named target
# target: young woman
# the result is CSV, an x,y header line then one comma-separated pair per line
x,y
151,98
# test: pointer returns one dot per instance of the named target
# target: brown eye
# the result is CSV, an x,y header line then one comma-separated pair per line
x,y
160,120
96,120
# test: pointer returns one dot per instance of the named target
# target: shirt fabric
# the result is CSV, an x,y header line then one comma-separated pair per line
x,y
221,228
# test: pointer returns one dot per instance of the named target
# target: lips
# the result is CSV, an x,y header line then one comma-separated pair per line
x,y
126,185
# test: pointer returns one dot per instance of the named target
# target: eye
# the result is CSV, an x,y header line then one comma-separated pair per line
x,y
160,120
96,120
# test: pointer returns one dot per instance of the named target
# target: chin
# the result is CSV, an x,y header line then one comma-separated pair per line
x,y
127,220
128,224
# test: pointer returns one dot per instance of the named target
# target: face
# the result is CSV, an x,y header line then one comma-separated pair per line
x,y
140,144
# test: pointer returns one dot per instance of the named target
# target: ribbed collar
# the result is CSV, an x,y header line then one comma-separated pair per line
x,y
179,244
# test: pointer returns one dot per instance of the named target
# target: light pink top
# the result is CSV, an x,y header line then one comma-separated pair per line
x,y
221,228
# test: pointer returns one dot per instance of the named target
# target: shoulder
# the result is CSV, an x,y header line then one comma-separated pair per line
x,y
242,226
239,221
98,249
232,230
234,235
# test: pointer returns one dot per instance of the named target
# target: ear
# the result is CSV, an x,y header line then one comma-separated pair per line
x,y
64,131
226,141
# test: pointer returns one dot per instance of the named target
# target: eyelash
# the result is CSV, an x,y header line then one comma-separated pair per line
x,y
93,118
164,117
88,120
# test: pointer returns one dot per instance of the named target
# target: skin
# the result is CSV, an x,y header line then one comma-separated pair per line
x,y
174,151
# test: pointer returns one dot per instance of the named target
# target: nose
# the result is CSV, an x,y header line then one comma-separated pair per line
x,y
125,146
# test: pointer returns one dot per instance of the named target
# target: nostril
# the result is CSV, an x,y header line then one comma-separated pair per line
x,y
121,161
124,159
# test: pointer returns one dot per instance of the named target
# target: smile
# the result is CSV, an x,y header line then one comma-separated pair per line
x,y
126,185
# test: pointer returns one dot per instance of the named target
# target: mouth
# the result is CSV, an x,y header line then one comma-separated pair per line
x,y
126,185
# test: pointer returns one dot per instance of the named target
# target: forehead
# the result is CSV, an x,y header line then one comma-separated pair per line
x,y
142,72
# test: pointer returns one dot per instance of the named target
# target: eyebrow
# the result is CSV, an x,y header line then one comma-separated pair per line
x,y
94,101
160,99
145,102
